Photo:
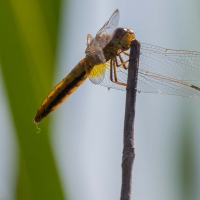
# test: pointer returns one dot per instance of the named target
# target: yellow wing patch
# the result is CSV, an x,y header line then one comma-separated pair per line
x,y
98,72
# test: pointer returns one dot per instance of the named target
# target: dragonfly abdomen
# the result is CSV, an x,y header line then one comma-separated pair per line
x,y
62,91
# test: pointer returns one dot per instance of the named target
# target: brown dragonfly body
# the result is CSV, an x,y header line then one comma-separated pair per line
x,y
101,49
68,85
161,70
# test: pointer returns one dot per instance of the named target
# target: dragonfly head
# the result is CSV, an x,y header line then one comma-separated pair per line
x,y
122,38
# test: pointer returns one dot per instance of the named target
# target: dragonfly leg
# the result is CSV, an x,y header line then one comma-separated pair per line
x,y
115,70
123,63
125,53
113,64
111,70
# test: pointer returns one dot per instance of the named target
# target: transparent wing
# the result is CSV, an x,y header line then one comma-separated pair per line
x,y
104,35
89,39
155,83
160,71
183,65
110,25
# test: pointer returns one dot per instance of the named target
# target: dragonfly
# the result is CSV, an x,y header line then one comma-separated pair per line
x,y
106,63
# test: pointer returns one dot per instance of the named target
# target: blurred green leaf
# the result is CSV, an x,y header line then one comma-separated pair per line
x,y
28,42
186,164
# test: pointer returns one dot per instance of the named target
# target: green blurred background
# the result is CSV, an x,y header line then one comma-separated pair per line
x,y
77,154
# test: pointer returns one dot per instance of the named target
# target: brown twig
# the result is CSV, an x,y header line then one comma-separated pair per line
x,y
129,151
